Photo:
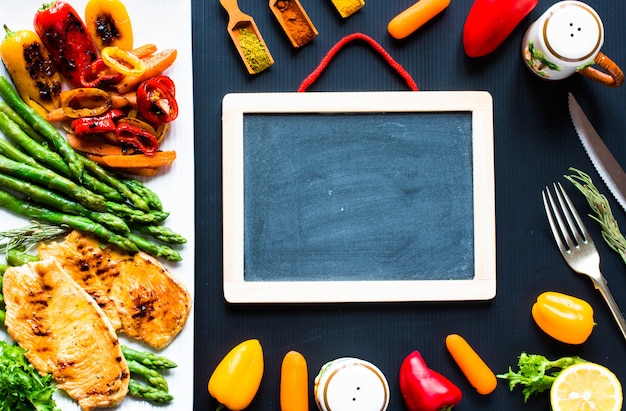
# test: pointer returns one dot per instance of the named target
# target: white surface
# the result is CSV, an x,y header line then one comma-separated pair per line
x,y
167,24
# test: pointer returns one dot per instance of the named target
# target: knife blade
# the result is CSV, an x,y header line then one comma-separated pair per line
x,y
604,162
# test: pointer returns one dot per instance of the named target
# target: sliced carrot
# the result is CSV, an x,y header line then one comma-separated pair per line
x,y
294,379
144,172
144,51
90,146
415,17
473,367
158,159
155,64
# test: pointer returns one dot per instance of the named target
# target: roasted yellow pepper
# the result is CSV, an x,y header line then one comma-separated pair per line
x,y
32,71
563,317
108,24
236,379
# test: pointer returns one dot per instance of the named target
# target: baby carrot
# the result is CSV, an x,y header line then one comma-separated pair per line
x,y
294,383
476,371
415,17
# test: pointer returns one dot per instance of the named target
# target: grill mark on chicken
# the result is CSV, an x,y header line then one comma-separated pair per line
x,y
140,296
65,333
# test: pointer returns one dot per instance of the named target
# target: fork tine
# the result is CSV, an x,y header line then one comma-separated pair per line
x,y
557,223
573,218
548,204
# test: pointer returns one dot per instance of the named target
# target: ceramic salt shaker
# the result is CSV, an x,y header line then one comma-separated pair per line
x,y
567,39
351,384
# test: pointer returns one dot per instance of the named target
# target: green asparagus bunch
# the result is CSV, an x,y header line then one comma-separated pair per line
x,y
147,366
42,178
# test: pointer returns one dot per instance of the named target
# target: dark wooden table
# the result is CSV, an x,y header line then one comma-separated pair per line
x,y
535,144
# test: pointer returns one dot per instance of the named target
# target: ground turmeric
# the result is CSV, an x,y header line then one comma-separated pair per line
x,y
348,7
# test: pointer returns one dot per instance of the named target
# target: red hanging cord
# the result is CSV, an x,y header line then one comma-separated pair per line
x,y
356,36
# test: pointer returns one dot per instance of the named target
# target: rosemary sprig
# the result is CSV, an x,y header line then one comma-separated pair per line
x,y
600,205
25,238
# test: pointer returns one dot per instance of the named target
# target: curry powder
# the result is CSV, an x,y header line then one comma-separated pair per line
x,y
253,50
295,23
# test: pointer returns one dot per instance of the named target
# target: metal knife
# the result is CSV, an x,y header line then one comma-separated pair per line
x,y
602,159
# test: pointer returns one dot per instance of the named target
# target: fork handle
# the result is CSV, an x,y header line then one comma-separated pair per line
x,y
602,286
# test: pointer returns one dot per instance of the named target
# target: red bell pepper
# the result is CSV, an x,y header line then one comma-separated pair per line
x,y
137,137
490,22
156,100
65,36
103,123
97,74
424,389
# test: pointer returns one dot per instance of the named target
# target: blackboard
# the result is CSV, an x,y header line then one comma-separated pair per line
x,y
358,197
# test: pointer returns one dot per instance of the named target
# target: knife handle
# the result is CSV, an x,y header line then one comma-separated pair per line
x,y
613,77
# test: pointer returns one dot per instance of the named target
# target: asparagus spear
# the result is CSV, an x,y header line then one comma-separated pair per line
x,y
39,124
162,233
49,178
13,153
152,376
43,155
148,359
59,203
149,393
134,215
113,181
154,249
80,223
4,108
151,197
16,258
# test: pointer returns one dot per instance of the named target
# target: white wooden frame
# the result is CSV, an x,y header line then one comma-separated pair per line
x,y
481,287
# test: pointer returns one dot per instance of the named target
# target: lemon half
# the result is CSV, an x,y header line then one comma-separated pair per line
x,y
586,387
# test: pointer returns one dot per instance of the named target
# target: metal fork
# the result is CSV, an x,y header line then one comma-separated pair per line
x,y
576,245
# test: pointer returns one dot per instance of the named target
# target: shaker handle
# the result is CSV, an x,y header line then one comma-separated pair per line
x,y
614,77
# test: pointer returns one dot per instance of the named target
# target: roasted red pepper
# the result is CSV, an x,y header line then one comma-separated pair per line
x,y
490,22
103,123
137,137
99,75
424,389
65,36
156,100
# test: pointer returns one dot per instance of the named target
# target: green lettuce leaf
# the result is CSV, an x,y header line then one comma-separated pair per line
x,y
21,386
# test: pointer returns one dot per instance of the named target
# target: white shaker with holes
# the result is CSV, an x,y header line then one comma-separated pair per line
x,y
567,39
351,384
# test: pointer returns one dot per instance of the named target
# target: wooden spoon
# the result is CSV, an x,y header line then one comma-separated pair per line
x,y
239,22
294,21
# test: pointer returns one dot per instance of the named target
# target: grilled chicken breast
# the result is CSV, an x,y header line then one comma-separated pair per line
x,y
65,333
140,296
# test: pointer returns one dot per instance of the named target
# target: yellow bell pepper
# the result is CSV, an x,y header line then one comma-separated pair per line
x,y
33,73
563,317
122,61
236,379
108,24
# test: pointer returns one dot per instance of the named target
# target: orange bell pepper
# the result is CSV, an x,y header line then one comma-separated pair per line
x,y
563,317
